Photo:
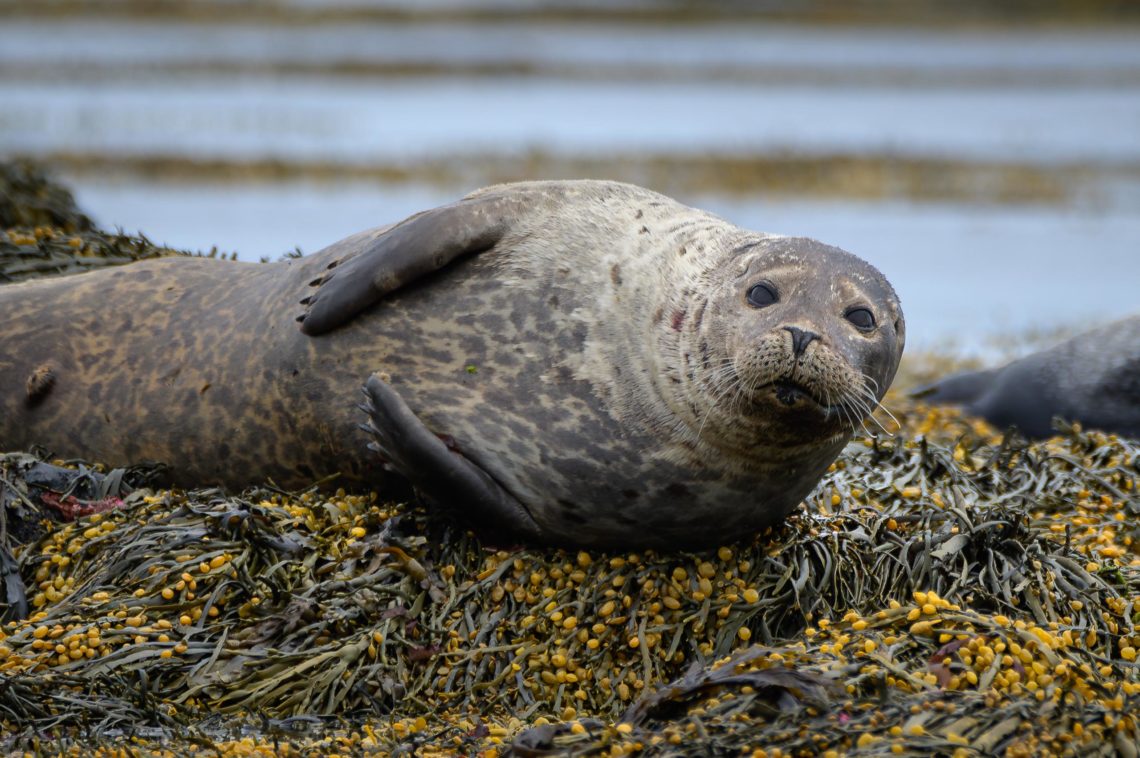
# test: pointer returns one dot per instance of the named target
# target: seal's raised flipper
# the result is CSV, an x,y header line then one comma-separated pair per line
x,y
413,248
440,473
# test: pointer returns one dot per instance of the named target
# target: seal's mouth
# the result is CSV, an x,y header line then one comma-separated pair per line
x,y
790,393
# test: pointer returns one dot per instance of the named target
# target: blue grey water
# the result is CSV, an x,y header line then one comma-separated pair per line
x,y
701,48
965,271
320,119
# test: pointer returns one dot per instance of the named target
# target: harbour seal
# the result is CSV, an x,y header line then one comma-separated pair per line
x,y
583,363
1093,378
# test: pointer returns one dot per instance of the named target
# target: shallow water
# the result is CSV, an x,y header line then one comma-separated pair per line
x,y
135,96
324,119
241,90
710,49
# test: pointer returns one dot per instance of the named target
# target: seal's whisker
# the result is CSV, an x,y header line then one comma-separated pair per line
x,y
875,404
832,408
839,408
857,410
891,416
863,423
719,394
848,414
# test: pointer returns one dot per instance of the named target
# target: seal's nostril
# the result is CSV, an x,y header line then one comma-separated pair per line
x,y
801,338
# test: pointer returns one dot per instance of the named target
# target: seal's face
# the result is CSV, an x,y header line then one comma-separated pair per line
x,y
805,339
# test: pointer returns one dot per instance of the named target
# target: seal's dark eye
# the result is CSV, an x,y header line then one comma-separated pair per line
x,y
761,295
861,318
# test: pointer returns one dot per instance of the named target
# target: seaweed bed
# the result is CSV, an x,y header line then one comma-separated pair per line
x,y
946,590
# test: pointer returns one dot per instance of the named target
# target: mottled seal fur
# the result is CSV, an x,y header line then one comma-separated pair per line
x,y
583,363
1093,378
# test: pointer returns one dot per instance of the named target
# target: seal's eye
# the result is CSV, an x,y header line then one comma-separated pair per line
x,y
761,295
861,318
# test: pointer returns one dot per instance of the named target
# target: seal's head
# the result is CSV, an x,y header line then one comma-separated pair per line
x,y
795,344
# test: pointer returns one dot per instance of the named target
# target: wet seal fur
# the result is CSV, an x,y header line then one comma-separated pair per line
x,y
584,363
1093,378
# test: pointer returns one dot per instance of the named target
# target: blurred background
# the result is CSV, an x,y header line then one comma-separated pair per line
x,y
985,155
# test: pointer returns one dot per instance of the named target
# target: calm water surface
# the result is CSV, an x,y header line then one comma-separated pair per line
x,y
391,95
311,118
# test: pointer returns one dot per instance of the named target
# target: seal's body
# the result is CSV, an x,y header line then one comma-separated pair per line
x,y
577,362
1093,378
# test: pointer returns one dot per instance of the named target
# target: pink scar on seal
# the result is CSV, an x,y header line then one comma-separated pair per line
x,y
678,318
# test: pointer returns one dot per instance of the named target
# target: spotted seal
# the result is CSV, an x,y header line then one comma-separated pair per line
x,y
1093,378
585,363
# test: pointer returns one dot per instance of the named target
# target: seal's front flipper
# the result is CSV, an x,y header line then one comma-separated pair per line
x,y
408,251
433,468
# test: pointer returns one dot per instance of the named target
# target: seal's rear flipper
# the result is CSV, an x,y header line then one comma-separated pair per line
x,y
440,473
408,251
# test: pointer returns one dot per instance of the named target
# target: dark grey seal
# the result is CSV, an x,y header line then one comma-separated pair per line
x,y
1093,378
584,363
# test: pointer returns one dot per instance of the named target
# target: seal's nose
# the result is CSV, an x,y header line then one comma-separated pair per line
x,y
801,338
